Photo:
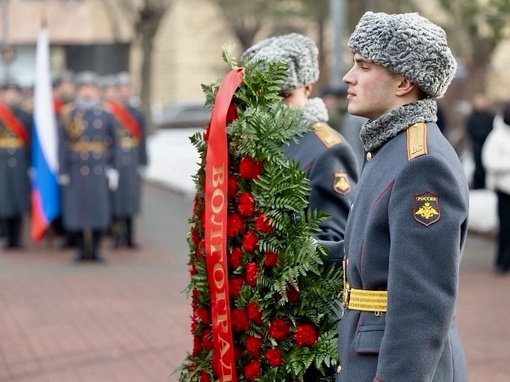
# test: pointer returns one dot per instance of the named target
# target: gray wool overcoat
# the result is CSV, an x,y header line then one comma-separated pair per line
x,y
14,165
87,140
130,155
405,234
330,164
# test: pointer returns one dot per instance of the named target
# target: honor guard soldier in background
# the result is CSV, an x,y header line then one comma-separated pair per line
x,y
408,223
64,90
131,157
15,125
87,169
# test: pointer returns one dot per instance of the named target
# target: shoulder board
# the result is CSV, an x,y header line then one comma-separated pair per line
x,y
416,140
326,134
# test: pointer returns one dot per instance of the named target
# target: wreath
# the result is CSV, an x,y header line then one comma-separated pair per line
x,y
283,300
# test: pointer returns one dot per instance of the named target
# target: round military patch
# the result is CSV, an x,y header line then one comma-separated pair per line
x,y
426,208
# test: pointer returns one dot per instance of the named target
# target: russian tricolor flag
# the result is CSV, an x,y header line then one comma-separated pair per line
x,y
45,189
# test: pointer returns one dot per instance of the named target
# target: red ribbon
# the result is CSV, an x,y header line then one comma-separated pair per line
x,y
126,120
216,206
13,123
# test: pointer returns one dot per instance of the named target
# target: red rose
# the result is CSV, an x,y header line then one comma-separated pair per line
x,y
195,236
192,269
263,224
246,204
252,370
292,294
249,169
207,339
197,345
202,218
271,259
240,322
204,377
206,133
232,187
254,312
234,286
231,113
274,357
306,335
278,329
235,257
235,225
200,249
194,325
251,273
252,345
250,242
202,315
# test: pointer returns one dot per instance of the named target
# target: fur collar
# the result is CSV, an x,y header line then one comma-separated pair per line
x,y
315,111
375,133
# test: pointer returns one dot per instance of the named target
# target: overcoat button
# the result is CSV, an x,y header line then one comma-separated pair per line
x,y
338,369
369,155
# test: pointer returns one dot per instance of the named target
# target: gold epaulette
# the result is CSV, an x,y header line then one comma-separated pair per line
x,y
326,134
416,140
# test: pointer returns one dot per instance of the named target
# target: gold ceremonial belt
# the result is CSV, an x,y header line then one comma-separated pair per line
x,y
11,143
87,146
366,300
363,300
129,143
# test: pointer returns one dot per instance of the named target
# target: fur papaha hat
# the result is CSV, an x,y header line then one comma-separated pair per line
x,y
407,44
298,52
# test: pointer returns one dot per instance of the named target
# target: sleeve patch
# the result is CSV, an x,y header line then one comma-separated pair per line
x,y
341,184
426,208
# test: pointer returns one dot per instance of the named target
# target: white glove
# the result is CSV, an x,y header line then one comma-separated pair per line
x,y
63,179
113,178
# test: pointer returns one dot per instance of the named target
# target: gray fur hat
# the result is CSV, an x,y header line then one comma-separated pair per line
x,y
298,52
407,44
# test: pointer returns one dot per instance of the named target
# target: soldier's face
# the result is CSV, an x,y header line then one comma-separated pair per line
x,y
88,92
371,88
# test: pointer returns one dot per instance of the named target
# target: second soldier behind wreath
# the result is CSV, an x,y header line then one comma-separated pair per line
x,y
323,154
131,157
87,169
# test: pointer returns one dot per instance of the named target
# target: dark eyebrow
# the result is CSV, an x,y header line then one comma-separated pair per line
x,y
361,61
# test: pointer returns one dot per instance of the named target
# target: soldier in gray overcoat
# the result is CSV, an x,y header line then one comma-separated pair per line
x,y
323,153
407,227
15,125
131,157
87,167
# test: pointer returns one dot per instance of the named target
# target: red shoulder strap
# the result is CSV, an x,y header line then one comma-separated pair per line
x,y
126,119
13,123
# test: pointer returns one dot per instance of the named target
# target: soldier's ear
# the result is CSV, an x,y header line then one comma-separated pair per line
x,y
405,87
308,89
